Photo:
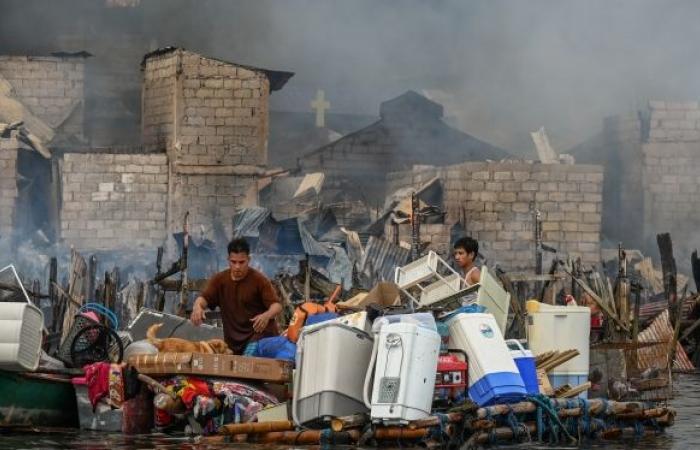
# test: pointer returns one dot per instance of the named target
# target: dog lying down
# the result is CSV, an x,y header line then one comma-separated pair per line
x,y
177,345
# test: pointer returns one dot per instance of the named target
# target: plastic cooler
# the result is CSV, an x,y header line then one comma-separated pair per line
x,y
525,362
493,375
561,328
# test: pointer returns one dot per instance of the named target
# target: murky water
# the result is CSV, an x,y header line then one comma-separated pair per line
x,y
684,435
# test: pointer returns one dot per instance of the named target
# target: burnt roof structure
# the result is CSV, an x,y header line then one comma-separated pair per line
x,y
410,131
278,78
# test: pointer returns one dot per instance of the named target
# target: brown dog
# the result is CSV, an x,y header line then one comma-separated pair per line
x,y
177,345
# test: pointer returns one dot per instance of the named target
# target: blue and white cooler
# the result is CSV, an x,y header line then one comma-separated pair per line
x,y
525,362
493,376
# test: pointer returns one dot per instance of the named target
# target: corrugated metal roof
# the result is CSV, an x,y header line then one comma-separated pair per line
x,y
381,258
656,356
247,221
658,304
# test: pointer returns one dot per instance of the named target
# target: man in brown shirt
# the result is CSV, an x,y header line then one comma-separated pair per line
x,y
247,300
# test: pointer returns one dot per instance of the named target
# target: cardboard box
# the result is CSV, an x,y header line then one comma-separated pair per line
x,y
230,366
384,293
276,413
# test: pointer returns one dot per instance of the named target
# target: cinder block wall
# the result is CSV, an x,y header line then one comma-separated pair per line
x,y
493,202
114,201
211,200
212,117
158,101
206,112
50,87
8,184
672,172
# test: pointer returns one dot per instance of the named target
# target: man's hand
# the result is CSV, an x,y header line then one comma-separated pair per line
x,y
198,315
260,322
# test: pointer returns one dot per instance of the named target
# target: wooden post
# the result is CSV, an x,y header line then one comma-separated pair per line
x,y
53,295
91,280
623,288
415,227
184,292
668,268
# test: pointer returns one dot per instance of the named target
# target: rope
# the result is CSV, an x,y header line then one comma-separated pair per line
x,y
326,437
544,405
586,416
439,432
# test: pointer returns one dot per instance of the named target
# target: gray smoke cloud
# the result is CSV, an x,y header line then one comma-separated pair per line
x,y
502,67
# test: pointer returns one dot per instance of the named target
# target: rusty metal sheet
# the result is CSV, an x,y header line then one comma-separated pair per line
x,y
381,258
656,356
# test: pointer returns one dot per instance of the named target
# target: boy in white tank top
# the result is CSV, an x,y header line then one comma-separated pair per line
x,y
465,251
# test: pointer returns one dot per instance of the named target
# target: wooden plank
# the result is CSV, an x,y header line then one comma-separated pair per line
x,y
601,304
669,271
576,390
76,289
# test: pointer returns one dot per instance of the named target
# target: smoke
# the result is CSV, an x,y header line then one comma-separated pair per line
x,y
502,67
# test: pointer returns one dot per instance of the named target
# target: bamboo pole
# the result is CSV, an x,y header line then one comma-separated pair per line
x,y
306,437
434,421
156,386
391,433
256,427
343,423
596,407
506,433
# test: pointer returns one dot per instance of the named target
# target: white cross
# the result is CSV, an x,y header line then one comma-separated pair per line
x,y
320,105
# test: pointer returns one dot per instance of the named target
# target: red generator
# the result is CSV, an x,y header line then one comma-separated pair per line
x,y
450,380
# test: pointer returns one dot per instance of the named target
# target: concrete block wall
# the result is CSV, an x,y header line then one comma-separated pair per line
x,y
674,121
50,87
211,200
158,101
671,186
210,112
114,201
436,235
494,203
8,184
359,157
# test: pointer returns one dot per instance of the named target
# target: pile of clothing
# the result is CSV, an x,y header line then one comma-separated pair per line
x,y
204,405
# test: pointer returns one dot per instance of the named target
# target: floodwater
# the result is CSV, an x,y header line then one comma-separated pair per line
x,y
684,435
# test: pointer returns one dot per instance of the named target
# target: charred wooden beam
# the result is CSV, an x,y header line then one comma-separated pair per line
x,y
176,285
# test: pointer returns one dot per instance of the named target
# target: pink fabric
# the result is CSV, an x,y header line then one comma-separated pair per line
x,y
91,315
97,377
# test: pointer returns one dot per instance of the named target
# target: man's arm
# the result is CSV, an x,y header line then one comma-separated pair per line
x,y
268,295
261,320
198,310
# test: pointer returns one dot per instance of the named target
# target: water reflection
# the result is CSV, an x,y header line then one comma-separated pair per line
x,y
685,434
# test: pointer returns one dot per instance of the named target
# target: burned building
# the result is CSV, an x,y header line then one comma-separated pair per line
x,y
652,158
410,131
204,134
41,106
495,202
